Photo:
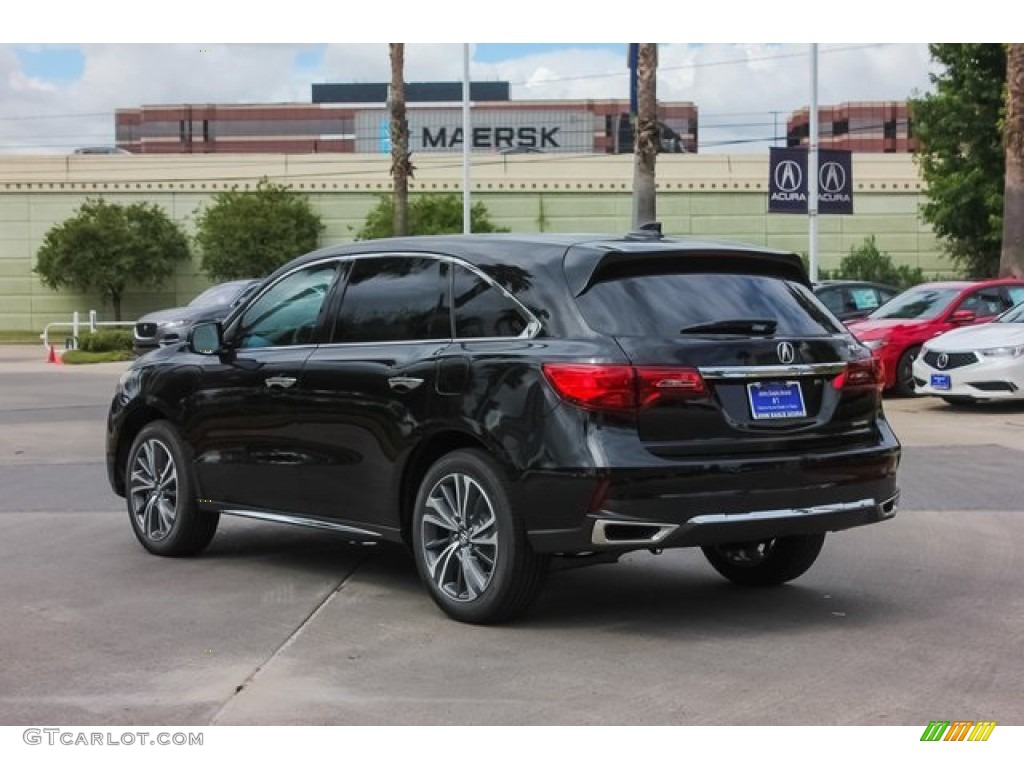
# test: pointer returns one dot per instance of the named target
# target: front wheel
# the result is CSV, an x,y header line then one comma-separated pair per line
x,y
765,563
905,372
161,497
471,551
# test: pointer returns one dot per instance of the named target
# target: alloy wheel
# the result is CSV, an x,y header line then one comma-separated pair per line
x,y
153,489
459,531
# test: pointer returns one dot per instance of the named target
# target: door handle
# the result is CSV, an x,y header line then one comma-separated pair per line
x,y
404,383
281,382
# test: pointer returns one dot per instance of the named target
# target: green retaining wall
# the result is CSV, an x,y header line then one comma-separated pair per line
x,y
892,216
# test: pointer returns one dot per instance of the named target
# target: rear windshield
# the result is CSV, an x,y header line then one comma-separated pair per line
x,y
662,305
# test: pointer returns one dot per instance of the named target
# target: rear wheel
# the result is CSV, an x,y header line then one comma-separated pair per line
x,y
160,494
471,551
905,372
768,562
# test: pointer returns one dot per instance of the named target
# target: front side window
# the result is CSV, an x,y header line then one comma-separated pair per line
x,y
986,303
287,314
394,298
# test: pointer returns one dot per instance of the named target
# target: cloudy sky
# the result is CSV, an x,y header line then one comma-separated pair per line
x,y
61,77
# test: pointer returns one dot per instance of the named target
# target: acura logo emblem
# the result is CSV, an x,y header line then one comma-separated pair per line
x,y
785,352
788,176
943,361
832,177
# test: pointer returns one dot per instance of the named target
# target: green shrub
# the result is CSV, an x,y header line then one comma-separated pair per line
x,y
105,340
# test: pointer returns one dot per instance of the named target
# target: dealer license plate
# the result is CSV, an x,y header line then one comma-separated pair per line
x,y
776,400
940,381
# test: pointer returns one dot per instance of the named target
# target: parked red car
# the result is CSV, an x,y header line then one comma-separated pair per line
x,y
896,330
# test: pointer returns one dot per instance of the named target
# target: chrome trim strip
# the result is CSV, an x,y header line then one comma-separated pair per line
x,y
783,514
533,325
599,534
765,371
308,522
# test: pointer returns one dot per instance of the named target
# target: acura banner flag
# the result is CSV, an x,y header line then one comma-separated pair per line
x,y
787,181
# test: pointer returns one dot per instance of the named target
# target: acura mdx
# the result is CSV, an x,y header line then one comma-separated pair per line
x,y
503,403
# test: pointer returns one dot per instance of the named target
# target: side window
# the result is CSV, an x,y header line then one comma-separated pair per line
x,y
1015,293
481,310
394,298
984,303
833,299
287,314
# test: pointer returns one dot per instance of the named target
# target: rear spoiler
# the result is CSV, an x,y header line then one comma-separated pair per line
x,y
586,266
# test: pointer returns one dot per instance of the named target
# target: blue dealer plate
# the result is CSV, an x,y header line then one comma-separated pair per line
x,y
776,400
940,381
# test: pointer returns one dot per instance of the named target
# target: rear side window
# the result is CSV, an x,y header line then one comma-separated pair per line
x,y
660,305
395,298
481,310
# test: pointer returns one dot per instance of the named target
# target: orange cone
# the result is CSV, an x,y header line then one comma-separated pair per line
x,y
54,357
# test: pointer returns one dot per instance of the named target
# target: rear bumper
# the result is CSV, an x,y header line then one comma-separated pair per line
x,y
708,503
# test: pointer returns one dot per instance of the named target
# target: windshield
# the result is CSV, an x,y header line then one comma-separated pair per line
x,y
221,294
921,303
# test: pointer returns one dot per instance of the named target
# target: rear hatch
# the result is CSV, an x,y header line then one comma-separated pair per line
x,y
733,355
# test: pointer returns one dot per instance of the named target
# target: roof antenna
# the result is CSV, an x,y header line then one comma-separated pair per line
x,y
650,230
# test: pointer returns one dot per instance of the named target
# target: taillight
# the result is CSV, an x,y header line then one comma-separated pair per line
x,y
621,387
861,374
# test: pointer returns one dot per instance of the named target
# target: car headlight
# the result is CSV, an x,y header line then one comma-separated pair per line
x,y
1002,352
129,385
876,344
172,323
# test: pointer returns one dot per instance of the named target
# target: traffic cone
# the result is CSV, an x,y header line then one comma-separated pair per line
x,y
54,356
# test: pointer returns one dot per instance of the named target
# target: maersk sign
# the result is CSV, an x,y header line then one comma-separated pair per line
x,y
440,130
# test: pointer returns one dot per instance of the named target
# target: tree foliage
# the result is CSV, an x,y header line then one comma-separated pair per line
x,y
429,214
867,262
107,247
1012,258
961,152
250,233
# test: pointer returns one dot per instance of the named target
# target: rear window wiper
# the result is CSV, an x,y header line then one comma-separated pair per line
x,y
752,326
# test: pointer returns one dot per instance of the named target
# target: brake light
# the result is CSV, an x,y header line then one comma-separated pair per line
x,y
621,387
861,374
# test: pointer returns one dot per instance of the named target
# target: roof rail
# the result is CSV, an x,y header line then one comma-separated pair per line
x,y
650,230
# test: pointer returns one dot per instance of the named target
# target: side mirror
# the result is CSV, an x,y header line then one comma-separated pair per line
x,y
206,339
963,316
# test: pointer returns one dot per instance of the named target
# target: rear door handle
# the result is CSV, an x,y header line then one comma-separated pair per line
x,y
404,383
282,382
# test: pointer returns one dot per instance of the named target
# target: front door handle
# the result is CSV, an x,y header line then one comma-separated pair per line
x,y
282,382
404,383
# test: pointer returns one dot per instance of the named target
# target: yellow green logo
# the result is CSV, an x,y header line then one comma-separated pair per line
x,y
958,730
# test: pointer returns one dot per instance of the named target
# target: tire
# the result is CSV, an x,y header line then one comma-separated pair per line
x,y
904,385
160,494
471,550
765,563
960,402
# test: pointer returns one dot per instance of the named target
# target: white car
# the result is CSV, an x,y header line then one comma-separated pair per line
x,y
979,362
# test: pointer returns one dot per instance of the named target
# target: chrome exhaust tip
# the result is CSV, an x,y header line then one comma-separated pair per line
x,y
612,532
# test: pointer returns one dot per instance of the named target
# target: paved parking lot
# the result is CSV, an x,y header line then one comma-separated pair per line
x,y
899,623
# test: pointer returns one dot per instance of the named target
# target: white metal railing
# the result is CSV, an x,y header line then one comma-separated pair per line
x,y
76,324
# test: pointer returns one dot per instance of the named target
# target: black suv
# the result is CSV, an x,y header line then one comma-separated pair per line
x,y
499,401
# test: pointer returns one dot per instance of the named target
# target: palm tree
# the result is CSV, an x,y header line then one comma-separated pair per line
x,y
1011,259
401,165
646,136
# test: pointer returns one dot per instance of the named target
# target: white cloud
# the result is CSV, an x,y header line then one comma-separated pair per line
x,y
741,90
